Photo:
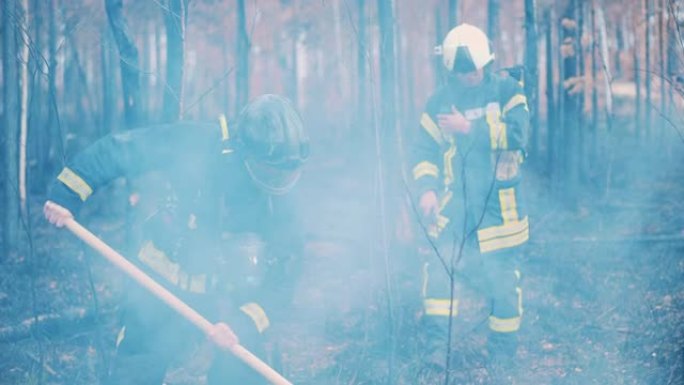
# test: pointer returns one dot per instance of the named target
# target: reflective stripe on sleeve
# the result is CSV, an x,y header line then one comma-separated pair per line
x,y
158,261
75,183
515,101
497,129
448,165
432,129
257,314
425,168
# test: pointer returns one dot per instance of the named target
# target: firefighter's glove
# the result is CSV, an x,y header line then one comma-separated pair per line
x,y
429,205
223,336
508,165
56,214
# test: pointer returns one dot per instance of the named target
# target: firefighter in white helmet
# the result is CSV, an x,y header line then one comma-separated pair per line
x,y
466,162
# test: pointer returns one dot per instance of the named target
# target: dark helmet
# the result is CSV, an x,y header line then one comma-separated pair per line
x,y
270,133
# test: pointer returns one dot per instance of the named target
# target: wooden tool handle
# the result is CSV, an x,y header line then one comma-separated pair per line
x,y
174,302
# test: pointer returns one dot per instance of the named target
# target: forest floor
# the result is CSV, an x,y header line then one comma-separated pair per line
x,y
603,284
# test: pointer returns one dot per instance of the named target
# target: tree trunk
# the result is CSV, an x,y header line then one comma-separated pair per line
x,y
579,154
174,20
23,42
531,77
551,123
130,66
361,49
569,103
36,130
493,9
55,146
242,58
607,75
10,148
647,70
388,91
674,50
439,37
453,14
637,84
108,86
619,46
388,144
145,80
662,76
594,88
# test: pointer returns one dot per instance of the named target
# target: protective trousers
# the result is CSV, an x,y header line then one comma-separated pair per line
x,y
488,265
153,336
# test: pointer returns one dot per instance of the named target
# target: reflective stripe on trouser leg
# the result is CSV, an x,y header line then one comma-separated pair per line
x,y
507,305
435,293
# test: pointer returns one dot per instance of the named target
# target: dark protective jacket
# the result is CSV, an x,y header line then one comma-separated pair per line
x,y
461,167
207,195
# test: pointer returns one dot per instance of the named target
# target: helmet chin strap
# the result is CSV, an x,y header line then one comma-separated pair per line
x,y
269,188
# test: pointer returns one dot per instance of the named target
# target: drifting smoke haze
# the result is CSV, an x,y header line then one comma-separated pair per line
x,y
602,274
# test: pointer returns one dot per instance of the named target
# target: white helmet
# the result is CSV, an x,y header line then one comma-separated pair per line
x,y
465,49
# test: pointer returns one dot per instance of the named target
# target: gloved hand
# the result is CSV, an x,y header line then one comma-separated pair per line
x,y
454,122
223,336
429,204
56,214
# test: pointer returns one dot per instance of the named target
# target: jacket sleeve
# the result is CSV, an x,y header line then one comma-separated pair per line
x,y
515,113
126,153
425,152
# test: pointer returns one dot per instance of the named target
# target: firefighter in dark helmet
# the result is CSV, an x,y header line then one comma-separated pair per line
x,y
466,163
218,232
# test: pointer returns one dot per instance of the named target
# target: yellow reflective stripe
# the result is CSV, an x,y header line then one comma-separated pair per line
x,y
442,222
445,200
257,314
433,232
426,278
225,134
432,129
520,300
503,230
120,337
504,325
509,210
505,242
440,307
516,100
425,168
497,129
448,166
75,183
157,260
192,283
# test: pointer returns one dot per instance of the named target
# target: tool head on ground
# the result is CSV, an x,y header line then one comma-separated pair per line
x,y
273,142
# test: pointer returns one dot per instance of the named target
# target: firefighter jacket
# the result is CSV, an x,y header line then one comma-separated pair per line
x,y
208,194
462,168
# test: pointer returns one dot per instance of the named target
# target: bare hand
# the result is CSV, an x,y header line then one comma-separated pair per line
x,y
222,335
454,122
428,203
56,214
